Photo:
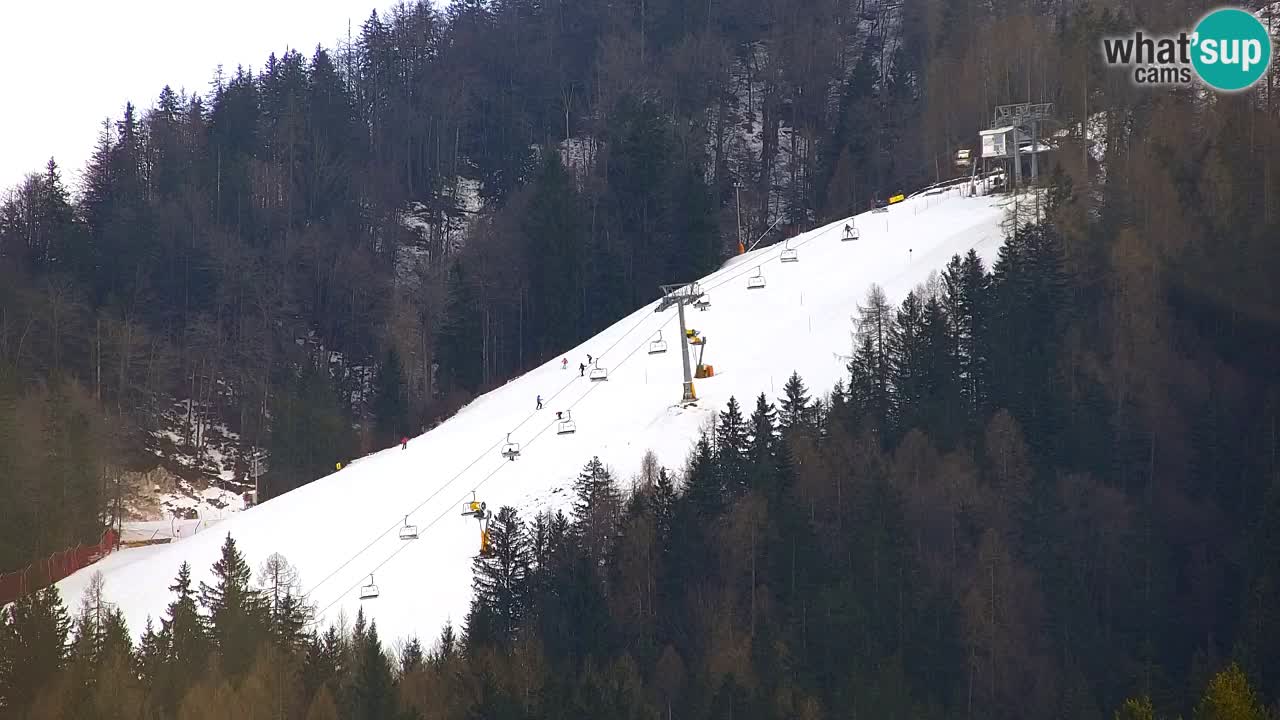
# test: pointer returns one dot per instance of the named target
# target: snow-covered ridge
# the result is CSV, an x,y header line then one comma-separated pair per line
x,y
341,528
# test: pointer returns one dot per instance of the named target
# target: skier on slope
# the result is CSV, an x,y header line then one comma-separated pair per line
x,y
582,369
588,358
404,442
564,363
539,402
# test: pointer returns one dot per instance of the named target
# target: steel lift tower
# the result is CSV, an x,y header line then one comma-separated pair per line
x,y
679,296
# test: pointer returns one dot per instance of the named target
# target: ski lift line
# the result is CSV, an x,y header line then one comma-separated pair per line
x,y
396,527
718,283
500,466
359,583
423,530
483,481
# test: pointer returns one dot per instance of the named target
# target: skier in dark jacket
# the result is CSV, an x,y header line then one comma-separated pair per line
x,y
582,369
539,402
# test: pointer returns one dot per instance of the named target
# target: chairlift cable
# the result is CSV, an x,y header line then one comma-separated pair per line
x,y
718,283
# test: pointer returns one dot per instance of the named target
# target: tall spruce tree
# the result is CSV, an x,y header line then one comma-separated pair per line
x,y
33,645
597,510
732,447
795,414
372,690
907,359
183,642
235,616
501,579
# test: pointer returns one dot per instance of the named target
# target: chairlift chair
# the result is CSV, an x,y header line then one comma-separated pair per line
x,y
789,253
702,303
408,532
755,281
850,233
370,591
511,450
597,374
658,345
566,426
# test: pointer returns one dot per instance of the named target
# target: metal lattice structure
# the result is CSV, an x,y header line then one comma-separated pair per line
x,y
1010,124
1021,115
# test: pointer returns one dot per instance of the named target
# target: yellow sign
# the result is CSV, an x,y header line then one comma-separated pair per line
x,y
897,199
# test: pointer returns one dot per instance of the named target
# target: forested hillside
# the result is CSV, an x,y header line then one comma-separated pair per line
x,y
965,527
325,251
1043,490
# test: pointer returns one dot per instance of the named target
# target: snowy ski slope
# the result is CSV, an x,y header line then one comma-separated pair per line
x,y
339,529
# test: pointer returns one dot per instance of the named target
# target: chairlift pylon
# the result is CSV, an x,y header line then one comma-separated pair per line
x,y
370,591
658,345
510,450
756,281
567,426
789,253
408,532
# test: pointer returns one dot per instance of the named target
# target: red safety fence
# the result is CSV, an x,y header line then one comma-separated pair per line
x,y
43,573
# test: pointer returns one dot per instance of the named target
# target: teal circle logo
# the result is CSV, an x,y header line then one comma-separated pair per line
x,y
1232,49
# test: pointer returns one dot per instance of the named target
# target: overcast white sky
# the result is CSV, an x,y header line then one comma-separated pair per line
x,y
64,66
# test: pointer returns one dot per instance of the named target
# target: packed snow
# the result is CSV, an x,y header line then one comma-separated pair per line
x,y
342,528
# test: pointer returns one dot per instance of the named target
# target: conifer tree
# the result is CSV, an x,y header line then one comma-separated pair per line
x,y
907,358
182,630
151,655
372,692
235,614
500,580
411,657
33,645
703,493
480,628
794,411
763,435
664,502
323,662
732,448
447,647
597,509
182,643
